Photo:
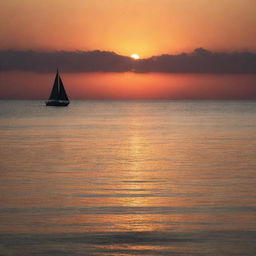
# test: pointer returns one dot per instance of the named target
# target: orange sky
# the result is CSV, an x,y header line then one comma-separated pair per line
x,y
146,27
123,86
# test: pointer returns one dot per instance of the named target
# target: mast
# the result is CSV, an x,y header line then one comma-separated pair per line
x,y
55,89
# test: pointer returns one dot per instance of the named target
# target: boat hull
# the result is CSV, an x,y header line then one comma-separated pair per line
x,y
56,103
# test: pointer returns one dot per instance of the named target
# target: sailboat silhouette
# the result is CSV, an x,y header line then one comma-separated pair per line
x,y
58,95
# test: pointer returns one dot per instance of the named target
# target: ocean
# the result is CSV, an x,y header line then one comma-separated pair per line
x,y
122,178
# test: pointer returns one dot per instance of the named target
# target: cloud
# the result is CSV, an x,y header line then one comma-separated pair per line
x,y
78,61
198,61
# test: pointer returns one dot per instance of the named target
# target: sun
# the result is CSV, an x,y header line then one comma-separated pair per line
x,y
135,56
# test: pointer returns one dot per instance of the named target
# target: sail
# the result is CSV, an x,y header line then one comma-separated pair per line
x,y
55,89
58,93
62,92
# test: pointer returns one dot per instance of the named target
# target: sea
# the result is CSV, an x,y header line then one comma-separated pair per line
x,y
123,178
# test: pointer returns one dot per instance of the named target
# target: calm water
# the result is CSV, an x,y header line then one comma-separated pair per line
x,y
128,178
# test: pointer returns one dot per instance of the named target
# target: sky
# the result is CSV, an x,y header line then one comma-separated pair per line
x,y
119,28
126,86
145,27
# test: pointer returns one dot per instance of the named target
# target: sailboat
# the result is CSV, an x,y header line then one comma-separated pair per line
x,y
58,95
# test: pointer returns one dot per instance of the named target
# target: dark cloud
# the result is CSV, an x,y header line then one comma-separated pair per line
x,y
78,61
199,61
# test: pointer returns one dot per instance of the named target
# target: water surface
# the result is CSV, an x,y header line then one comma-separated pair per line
x,y
128,178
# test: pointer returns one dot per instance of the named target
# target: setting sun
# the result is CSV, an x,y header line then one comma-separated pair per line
x,y
135,56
